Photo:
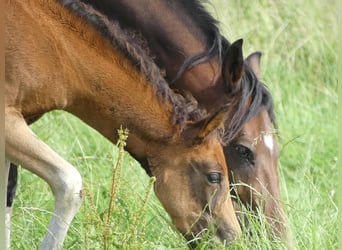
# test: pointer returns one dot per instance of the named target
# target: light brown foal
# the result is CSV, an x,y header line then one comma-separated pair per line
x,y
78,61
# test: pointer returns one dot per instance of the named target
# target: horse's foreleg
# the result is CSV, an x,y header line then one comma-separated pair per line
x,y
7,211
11,189
25,148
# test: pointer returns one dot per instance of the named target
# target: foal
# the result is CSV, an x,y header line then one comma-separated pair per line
x,y
73,58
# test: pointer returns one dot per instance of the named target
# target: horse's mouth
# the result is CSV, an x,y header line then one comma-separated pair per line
x,y
210,231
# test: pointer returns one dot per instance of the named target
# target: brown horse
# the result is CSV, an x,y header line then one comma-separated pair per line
x,y
186,42
73,58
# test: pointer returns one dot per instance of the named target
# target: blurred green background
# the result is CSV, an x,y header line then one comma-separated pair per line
x,y
298,40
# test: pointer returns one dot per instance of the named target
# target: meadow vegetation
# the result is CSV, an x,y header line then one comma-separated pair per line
x,y
298,40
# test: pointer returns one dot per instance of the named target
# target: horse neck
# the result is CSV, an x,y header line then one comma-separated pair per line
x,y
104,88
173,36
114,93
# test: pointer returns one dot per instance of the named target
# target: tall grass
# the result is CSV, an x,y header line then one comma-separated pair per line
x,y
298,41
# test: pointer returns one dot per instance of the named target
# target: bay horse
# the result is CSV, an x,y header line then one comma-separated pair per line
x,y
185,41
70,57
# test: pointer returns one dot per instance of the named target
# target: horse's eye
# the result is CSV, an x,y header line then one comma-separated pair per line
x,y
214,177
245,153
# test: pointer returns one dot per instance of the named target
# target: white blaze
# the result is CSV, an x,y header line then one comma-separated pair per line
x,y
268,140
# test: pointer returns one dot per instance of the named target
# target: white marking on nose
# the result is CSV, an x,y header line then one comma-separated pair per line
x,y
268,140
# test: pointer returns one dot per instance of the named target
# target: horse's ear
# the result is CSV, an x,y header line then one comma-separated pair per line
x,y
196,132
253,61
232,67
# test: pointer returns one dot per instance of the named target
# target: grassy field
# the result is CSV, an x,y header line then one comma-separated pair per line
x,y
298,40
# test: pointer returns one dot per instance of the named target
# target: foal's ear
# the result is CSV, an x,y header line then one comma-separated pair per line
x,y
196,132
253,61
232,67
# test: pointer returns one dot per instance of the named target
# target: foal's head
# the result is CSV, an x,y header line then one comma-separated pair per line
x,y
192,181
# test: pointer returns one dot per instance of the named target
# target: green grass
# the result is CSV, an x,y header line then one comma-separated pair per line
x,y
298,40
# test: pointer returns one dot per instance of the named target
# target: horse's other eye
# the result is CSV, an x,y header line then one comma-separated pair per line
x,y
214,177
245,153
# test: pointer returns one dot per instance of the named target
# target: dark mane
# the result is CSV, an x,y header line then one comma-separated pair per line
x,y
185,108
216,43
254,92
251,88
261,97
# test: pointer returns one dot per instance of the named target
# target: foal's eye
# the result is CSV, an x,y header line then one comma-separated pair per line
x,y
245,153
214,177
